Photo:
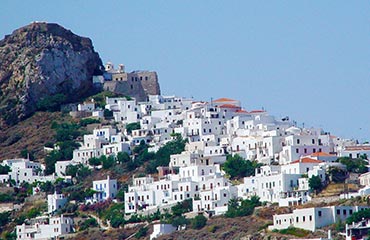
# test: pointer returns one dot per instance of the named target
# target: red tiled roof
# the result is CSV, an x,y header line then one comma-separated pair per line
x,y
224,100
229,106
322,154
306,160
257,111
241,111
357,148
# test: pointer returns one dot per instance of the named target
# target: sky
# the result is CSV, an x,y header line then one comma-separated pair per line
x,y
308,60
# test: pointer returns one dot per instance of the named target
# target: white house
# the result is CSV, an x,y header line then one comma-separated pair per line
x,y
105,189
314,218
364,179
56,202
24,170
160,229
45,228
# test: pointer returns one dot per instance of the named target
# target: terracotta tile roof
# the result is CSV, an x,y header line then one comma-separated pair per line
x,y
357,148
322,154
224,100
257,111
241,111
229,106
306,160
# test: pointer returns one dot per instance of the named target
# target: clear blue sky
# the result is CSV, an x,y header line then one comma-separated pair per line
x,y
305,59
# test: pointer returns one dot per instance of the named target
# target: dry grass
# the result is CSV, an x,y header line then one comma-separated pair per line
x,y
31,134
335,189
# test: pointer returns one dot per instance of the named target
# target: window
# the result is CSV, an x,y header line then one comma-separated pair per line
x,y
344,212
298,141
304,218
319,213
297,219
305,150
310,217
297,150
338,212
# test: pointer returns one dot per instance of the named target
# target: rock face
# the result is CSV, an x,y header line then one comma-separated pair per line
x,y
42,60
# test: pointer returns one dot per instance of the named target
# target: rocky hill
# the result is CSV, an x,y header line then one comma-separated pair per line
x,y
41,64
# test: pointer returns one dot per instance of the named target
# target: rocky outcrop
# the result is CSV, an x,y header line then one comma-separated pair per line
x,y
42,62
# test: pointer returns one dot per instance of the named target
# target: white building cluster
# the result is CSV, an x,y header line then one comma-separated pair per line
x,y
25,170
290,156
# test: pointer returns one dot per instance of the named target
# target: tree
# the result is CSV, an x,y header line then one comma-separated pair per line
x,y
162,156
123,157
51,103
358,216
4,169
239,208
337,175
108,162
47,187
94,161
237,167
142,232
50,161
198,222
354,165
27,154
108,114
182,207
4,218
71,170
132,126
315,183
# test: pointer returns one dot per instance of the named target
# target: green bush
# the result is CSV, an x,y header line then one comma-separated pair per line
x,y
198,222
241,208
182,207
4,218
358,216
142,232
162,156
237,167
4,169
51,103
294,231
132,126
315,183
354,165
87,121
91,222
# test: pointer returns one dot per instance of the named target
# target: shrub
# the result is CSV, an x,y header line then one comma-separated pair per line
x,y
91,222
51,103
132,126
242,208
87,121
4,169
294,231
4,218
198,222
237,167
358,216
142,232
